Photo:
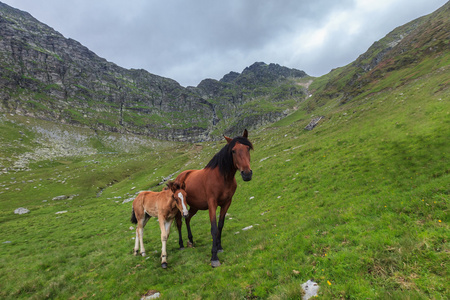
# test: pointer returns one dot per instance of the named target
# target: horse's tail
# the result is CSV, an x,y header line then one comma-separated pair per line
x,y
133,217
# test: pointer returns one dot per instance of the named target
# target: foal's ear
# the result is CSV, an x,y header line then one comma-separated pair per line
x,y
245,134
227,138
174,187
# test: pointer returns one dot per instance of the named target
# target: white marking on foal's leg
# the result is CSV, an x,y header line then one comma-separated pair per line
x,y
136,242
165,229
167,225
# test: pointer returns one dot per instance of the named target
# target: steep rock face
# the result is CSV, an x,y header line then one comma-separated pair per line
x,y
45,75
48,76
261,94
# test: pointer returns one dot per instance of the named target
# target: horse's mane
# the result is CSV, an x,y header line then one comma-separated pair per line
x,y
224,158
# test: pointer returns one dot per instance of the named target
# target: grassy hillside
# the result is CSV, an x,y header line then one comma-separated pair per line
x,y
360,204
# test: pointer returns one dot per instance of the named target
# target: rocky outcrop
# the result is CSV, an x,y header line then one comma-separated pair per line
x,y
45,75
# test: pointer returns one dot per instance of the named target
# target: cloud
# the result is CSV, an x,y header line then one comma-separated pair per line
x,y
192,40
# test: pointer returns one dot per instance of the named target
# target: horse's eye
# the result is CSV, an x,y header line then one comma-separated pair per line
x,y
233,151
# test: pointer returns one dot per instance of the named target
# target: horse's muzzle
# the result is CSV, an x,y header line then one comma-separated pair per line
x,y
185,215
247,176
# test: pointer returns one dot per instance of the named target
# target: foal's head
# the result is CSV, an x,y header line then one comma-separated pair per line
x,y
240,150
179,196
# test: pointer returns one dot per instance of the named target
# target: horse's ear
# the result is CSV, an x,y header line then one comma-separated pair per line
x,y
228,139
183,186
245,134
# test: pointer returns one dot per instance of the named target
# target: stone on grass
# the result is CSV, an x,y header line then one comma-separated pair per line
x,y
21,211
310,288
151,294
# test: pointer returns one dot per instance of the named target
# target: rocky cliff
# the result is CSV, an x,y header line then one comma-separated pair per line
x,y
45,75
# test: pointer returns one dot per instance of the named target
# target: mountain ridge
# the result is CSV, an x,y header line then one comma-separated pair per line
x,y
45,75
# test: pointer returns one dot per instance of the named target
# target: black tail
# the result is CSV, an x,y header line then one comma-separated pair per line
x,y
133,217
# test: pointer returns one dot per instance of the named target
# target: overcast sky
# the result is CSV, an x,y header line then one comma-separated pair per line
x,y
192,40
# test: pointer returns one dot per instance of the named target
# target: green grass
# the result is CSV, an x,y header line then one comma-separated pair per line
x,y
360,204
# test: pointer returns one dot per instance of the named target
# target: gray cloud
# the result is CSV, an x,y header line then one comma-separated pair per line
x,y
192,40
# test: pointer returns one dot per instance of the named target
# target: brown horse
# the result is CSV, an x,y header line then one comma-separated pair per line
x,y
164,205
214,186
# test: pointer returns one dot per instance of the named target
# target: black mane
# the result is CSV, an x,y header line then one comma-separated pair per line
x,y
224,158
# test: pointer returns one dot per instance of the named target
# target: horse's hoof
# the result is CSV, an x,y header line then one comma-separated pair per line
x,y
181,248
190,245
164,265
143,254
135,253
215,263
220,250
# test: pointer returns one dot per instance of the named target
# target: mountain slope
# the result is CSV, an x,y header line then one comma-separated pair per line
x,y
47,76
419,44
360,204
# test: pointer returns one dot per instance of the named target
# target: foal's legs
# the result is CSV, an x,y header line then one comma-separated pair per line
x,y
140,235
164,225
136,242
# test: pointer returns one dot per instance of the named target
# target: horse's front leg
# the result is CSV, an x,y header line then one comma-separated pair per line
x,y
214,233
179,225
223,212
192,213
164,225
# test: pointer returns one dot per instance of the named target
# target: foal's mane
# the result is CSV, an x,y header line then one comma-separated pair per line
x,y
224,158
174,185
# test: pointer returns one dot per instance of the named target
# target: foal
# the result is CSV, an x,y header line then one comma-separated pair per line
x,y
164,205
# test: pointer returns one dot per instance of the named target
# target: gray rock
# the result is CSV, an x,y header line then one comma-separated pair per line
x,y
314,123
21,211
62,197
310,288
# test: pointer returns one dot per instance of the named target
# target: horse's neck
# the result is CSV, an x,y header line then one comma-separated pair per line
x,y
229,180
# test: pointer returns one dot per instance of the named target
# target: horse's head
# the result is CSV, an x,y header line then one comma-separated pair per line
x,y
179,195
240,150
